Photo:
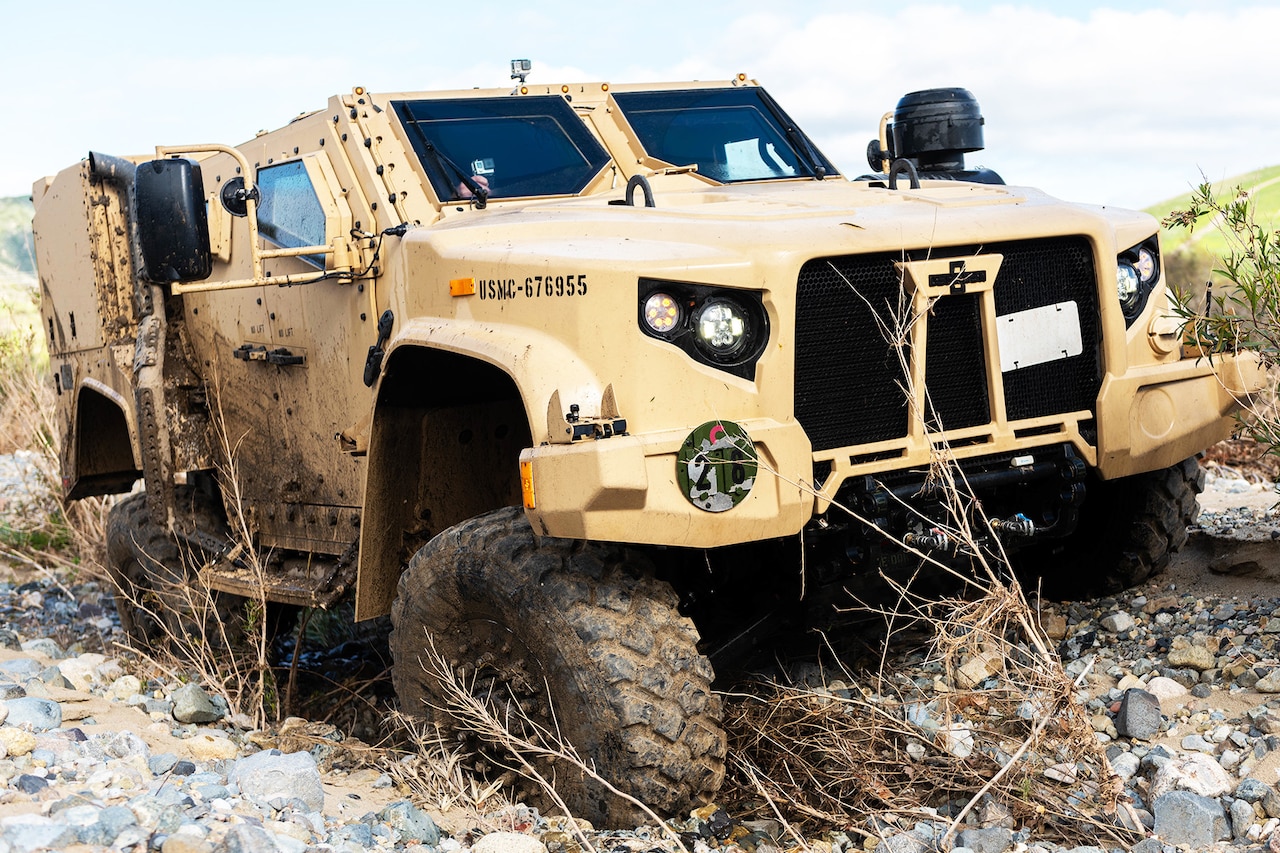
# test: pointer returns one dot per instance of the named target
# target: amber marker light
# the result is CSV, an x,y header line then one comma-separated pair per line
x,y
526,483
661,313
462,286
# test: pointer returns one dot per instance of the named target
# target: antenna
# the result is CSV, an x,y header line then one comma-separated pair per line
x,y
520,69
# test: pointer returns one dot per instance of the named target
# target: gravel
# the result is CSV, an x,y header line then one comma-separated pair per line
x,y
1183,688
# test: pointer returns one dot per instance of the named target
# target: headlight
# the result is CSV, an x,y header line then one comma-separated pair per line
x,y
722,328
1137,273
1128,288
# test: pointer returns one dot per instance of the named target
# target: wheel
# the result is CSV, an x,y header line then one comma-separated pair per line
x,y
159,607
585,639
1128,529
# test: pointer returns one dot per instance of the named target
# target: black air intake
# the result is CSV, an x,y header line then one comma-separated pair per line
x,y
936,128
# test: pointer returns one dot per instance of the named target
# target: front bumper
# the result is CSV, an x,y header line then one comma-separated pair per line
x,y
625,489
1153,418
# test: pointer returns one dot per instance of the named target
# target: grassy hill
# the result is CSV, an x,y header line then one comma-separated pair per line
x,y
17,266
16,254
1263,186
1191,256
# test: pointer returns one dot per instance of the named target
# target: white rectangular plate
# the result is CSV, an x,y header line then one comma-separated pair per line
x,y
1039,335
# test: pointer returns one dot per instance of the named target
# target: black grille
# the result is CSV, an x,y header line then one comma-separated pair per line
x,y
850,376
955,371
1044,272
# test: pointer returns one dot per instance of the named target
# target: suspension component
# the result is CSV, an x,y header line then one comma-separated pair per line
x,y
934,540
1019,525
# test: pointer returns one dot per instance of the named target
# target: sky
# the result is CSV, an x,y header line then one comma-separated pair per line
x,y
1100,101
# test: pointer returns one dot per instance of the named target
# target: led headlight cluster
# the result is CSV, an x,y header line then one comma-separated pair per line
x,y
721,327
1137,271
718,326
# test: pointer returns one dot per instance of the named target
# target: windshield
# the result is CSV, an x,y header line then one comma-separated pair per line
x,y
501,147
731,134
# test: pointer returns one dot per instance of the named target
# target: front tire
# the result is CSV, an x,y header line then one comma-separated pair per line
x,y
582,624
1128,530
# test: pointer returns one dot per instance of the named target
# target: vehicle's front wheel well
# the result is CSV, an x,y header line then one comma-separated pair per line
x,y
444,447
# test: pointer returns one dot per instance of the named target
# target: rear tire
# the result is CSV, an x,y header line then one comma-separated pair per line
x,y
583,624
161,606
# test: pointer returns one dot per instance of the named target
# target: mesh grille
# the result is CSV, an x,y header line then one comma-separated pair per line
x,y
955,370
1039,273
850,378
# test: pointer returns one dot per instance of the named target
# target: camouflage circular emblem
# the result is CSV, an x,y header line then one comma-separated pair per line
x,y
716,466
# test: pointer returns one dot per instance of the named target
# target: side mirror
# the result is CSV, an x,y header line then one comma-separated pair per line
x,y
173,226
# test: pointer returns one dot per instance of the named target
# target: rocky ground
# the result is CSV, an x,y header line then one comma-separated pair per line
x,y
1180,679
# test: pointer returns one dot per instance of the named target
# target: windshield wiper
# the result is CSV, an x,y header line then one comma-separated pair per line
x,y
479,193
799,142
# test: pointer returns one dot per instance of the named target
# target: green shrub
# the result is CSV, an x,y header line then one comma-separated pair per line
x,y
1240,307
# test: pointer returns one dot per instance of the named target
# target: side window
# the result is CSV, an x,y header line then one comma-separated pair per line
x,y
289,213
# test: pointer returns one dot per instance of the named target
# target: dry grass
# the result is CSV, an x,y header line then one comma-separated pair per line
x,y
441,775
977,739
41,530
223,641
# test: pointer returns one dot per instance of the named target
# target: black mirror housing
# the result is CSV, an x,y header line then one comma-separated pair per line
x,y
172,223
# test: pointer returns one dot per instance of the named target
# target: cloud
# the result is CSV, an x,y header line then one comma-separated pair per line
x,y
1098,104
1114,106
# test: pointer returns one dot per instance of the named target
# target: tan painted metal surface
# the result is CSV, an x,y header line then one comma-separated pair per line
x,y
501,311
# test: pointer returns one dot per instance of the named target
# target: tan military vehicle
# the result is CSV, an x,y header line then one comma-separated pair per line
x,y
589,386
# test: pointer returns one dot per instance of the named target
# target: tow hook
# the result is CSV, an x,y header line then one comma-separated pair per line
x,y
934,540
1019,525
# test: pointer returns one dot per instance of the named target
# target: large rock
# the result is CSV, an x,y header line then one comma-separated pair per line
x,y
119,745
1251,790
993,840
411,822
246,838
1139,715
508,842
192,705
1191,656
267,775
1242,817
211,745
1198,774
903,843
1165,688
1189,819
20,669
1271,802
83,671
1118,622
29,832
124,687
16,742
1269,683
39,715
